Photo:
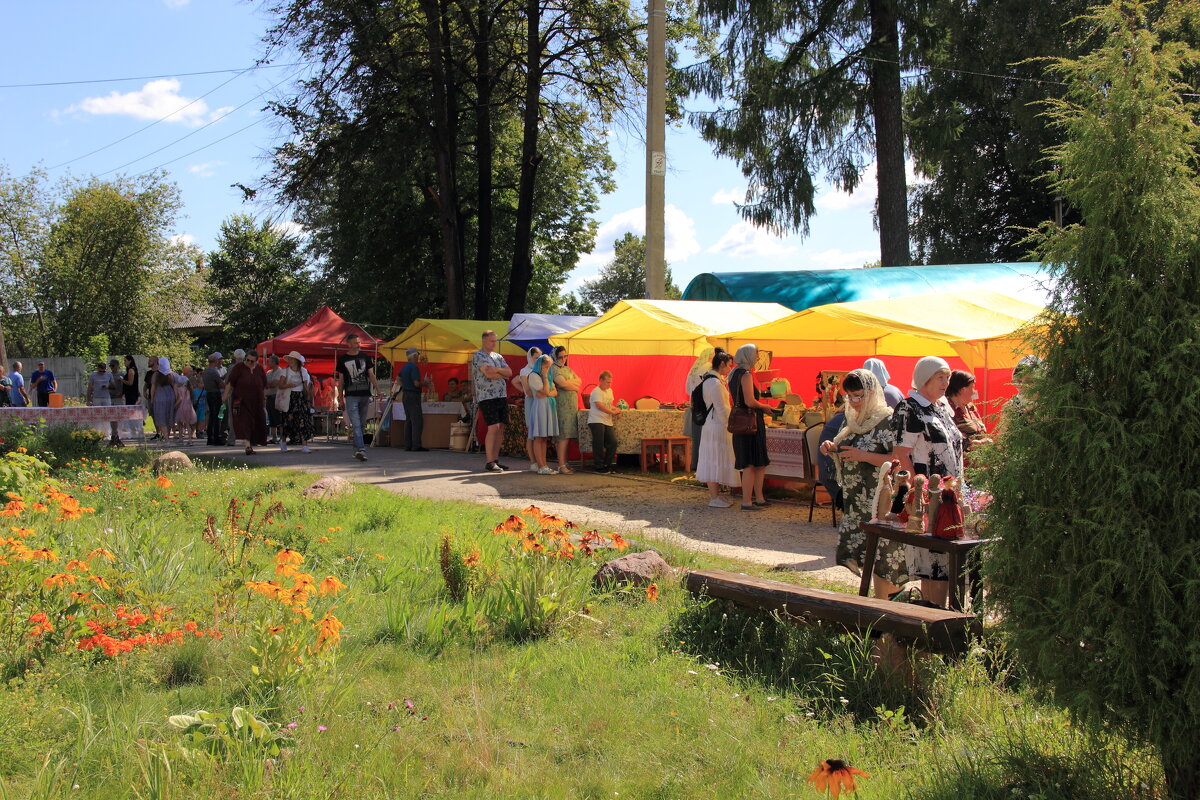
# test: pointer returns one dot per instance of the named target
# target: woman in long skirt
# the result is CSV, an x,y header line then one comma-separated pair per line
x,y
714,465
543,414
296,385
162,399
248,395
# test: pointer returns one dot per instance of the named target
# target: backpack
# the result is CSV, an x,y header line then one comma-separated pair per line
x,y
700,411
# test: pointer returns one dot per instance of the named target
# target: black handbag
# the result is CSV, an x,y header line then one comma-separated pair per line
x,y
742,420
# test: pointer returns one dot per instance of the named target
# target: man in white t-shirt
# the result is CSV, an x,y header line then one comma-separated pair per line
x,y
602,414
489,375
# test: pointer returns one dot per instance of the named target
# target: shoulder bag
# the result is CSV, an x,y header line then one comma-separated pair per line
x,y
742,419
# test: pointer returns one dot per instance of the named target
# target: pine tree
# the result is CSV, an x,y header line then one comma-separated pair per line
x,y
1095,485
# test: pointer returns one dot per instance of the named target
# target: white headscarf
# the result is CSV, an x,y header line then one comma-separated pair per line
x,y
703,364
530,357
878,369
746,356
874,408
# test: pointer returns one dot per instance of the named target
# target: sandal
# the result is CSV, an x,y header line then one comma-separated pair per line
x,y
565,470
249,451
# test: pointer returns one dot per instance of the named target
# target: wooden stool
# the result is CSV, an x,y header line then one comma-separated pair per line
x,y
665,446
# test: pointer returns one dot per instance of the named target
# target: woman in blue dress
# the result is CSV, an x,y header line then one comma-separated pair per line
x,y
542,413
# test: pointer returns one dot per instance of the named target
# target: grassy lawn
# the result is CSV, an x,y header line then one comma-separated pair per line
x,y
531,685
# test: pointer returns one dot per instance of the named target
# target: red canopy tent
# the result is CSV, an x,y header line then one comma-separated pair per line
x,y
320,339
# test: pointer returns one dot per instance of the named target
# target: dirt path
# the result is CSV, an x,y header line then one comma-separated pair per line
x,y
645,508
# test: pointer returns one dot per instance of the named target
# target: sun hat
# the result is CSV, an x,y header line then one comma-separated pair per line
x,y
296,355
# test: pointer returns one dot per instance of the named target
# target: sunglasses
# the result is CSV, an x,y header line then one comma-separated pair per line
x,y
856,397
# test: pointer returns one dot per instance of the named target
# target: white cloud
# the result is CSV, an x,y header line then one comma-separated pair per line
x,y
746,240
290,228
158,99
679,234
184,239
724,196
205,170
864,195
838,259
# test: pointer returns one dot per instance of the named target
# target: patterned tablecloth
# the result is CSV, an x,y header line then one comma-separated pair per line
x,y
785,448
82,415
633,426
427,407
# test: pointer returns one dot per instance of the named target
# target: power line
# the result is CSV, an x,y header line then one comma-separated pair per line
x,y
154,77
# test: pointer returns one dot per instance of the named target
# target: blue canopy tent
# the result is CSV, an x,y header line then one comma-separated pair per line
x,y
535,330
803,289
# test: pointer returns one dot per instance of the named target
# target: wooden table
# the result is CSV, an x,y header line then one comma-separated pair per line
x,y
958,551
666,446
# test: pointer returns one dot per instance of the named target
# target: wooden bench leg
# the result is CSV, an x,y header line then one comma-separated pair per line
x,y
868,566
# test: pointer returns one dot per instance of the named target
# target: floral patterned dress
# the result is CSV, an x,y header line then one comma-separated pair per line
x,y
937,449
860,482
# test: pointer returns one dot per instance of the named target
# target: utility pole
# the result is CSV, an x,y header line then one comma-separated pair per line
x,y
656,155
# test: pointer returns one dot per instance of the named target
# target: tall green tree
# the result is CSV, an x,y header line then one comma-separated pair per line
x,y
257,279
1098,565
622,278
811,88
976,129
26,212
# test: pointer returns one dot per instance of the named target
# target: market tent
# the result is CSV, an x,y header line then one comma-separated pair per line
x,y
448,344
801,289
535,330
649,345
978,330
320,338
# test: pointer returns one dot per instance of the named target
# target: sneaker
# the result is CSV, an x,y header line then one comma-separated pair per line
x,y
305,449
361,455
503,467
533,467
283,447
719,502
547,471
493,466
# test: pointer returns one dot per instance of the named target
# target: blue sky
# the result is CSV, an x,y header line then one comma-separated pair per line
x,y
208,131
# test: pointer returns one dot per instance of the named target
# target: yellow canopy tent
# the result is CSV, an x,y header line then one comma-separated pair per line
x,y
446,341
980,326
664,327
649,345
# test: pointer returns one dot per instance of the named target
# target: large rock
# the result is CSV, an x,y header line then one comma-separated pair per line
x,y
328,488
640,569
171,461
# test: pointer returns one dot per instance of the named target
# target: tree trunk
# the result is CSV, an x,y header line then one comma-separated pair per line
x,y
1182,770
443,138
884,69
484,157
522,266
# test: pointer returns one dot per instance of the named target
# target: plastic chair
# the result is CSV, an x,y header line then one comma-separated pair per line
x,y
812,441
646,403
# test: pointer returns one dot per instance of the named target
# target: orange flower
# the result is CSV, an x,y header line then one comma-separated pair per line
x,y
15,506
96,579
833,775
618,542
58,580
323,540
13,496
330,585
163,482
532,510
513,524
91,487
329,631
43,554
472,558
41,508
75,565
652,593
287,556
530,541
100,551
550,520
22,532
275,630
381,557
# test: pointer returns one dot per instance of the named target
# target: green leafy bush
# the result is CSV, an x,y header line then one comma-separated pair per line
x,y
20,471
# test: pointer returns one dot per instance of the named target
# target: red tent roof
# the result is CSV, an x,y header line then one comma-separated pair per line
x,y
320,338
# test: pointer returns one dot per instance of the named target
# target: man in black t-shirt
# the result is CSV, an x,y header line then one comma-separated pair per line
x,y
356,372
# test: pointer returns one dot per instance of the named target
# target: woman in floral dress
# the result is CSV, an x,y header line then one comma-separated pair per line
x,y
860,450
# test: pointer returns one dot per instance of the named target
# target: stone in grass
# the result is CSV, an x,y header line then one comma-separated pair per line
x,y
639,569
171,461
328,488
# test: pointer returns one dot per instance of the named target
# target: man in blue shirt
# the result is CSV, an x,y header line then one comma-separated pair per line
x,y
410,397
43,382
20,397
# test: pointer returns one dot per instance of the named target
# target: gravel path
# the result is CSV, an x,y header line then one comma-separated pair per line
x,y
636,507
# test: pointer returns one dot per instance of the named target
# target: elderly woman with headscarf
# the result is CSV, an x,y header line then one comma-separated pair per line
x,y
701,368
891,395
929,443
860,450
715,467
162,397
749,449
247,389
542,411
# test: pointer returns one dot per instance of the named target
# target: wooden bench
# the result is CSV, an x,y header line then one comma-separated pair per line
x,y
664,447
933,629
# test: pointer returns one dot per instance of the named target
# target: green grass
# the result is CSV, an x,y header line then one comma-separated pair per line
x,y
635,699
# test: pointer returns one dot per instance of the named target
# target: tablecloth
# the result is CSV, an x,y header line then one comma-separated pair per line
x,y
634,425
82,415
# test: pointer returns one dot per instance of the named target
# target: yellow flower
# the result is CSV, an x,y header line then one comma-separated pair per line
x,y
329,631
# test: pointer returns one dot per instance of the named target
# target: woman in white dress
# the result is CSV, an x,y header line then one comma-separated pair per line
x,y
715,464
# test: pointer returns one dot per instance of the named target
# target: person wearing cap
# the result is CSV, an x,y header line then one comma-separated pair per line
x,y
20,398
294,398
928,443
356,374
213,382
410,398
44,383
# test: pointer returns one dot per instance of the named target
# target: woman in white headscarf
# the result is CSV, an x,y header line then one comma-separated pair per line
x,y
749,450
162,397
695,375
929,443
522,382
860,450
891,395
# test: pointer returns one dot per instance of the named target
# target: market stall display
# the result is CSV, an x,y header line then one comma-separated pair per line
x,y
439,417
320,339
